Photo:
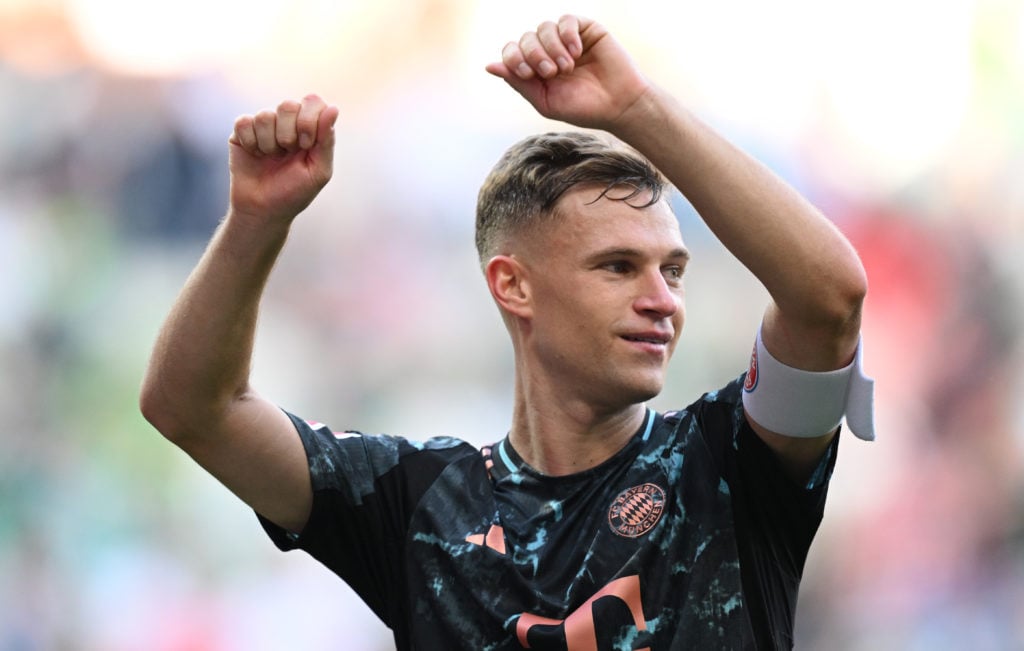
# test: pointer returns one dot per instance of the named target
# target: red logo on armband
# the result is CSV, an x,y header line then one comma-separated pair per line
x,y
751,382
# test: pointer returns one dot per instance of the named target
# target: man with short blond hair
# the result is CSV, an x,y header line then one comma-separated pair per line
x,y
596,523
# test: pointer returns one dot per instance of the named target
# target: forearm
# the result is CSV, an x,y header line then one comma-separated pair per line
x,y
811,271
202,356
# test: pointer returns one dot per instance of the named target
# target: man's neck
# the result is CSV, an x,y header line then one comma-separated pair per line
x,y
562,437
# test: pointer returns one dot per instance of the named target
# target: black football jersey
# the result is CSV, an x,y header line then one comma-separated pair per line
x,y
690,537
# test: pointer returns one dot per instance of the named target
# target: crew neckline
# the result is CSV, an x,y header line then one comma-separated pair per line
x,y
510,464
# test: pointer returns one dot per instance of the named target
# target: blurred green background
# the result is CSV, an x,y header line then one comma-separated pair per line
x,y
902,119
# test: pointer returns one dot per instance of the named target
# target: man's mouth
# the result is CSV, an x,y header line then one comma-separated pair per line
x,y
660,339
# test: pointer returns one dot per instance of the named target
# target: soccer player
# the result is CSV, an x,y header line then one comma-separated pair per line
x,y
596,523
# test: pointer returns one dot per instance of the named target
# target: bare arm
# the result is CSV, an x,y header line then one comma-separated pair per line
x,y
575,71
813,274
196,390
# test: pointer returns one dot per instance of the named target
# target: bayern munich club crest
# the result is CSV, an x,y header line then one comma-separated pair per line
x,y
636,510
750,383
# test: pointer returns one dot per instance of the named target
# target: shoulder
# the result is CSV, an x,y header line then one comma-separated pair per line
x,y
709,427
349,457
720,408
400,445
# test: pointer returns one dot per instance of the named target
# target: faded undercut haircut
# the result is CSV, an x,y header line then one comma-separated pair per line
x,y
530,178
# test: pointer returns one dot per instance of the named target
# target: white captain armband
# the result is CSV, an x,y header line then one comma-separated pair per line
x,y
807,404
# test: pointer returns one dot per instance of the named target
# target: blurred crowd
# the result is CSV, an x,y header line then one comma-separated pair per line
x,y
111,182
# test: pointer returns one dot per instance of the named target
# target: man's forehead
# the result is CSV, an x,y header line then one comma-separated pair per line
x,y
585,222
591,193
604,222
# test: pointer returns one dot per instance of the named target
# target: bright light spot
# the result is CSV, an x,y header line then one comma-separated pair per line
x,y
900,82
745,63
169,37
1020,45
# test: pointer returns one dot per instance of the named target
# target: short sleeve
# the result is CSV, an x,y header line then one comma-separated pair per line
x,y
775,518
365,488
776,521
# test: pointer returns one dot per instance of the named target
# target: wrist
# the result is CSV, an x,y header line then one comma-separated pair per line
x,y
250,234
641,113
261,223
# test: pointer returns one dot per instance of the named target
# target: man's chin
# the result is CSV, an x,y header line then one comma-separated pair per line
x,y
629,390
640,392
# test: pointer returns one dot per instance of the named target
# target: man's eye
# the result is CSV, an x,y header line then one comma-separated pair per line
x,y
674,272
617,267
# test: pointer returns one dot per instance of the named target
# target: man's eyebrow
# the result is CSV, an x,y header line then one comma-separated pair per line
x,y
681,254
613,252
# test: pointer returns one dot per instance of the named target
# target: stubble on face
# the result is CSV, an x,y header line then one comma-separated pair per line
x,y
601,322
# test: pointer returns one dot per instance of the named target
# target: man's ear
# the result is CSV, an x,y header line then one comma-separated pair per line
x,y
507,280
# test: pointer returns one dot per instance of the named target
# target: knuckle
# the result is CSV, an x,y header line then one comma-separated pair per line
x,y
311,99
306,122
530,48
266,116
287,138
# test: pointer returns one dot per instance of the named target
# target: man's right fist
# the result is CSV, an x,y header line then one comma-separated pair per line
x,y
280,159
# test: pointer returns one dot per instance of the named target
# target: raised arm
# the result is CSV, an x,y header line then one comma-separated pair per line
x,y
196,390
575,71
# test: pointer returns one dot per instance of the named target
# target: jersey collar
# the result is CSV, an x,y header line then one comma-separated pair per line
x,y
508,463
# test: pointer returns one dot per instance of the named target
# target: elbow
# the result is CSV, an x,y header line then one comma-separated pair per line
x,y
169,415
843,303
157,410
182,416
854,289
830,301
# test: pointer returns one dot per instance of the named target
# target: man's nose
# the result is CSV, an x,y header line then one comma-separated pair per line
x,y
657,296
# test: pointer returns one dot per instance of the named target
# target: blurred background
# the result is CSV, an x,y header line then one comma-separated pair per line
x,y
902,119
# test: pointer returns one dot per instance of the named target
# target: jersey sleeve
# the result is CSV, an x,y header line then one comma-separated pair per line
x,y
365,488
775,518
